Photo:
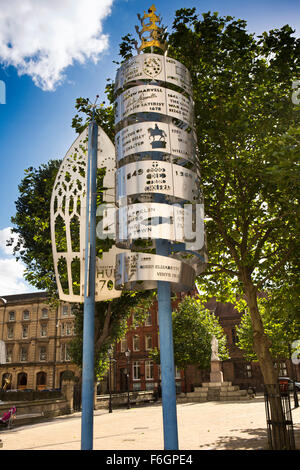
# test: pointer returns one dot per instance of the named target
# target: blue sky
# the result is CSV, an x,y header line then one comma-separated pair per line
x,y
35,122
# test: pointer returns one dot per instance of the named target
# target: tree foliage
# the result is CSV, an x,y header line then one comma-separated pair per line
x,y
248,142
33,247
32,225
281,326
193,329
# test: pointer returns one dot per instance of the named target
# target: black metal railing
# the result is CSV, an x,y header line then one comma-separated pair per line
x,y
279,418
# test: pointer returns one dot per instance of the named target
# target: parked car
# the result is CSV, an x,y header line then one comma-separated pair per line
x,y
287,383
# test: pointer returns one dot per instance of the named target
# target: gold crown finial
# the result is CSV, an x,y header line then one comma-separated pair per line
x,y
150,22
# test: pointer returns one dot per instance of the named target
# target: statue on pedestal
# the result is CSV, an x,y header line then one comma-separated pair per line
x,y
216,375
214,349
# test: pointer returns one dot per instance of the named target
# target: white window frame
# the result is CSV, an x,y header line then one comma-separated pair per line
x,y
43,354
68,329
134,346
123,345
25,328
136,370
147,337
23,354
45,313
44,330
64,353
65,310
12,315
26,315
149,370
148,321
9,354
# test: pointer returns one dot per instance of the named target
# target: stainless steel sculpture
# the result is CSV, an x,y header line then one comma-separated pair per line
x,y
157,184
68,215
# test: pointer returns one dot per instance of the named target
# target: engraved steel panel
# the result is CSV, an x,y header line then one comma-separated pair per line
x,y
153,67
155,136
141,271
68,215
152,176
150,220
154,99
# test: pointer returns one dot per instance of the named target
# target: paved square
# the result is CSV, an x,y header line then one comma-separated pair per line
x,y
201,426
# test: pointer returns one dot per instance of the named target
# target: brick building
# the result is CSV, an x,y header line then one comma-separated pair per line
x,y
36,341
143,373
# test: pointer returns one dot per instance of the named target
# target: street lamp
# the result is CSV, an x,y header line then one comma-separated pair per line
x,y
127,354
110,353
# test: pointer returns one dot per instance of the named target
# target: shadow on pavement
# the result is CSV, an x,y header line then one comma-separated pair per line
x,y
256,439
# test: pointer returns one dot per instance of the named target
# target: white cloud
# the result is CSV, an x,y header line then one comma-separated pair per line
x,y
43,38
5,234
11,271
11,277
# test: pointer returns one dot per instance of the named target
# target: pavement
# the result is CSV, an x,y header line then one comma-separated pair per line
x,y
201,426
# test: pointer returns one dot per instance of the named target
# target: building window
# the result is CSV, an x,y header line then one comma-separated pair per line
x,y
148,321
65,310
136,343
43,329
177,373
9,354
248,371
41,380
68,328
282,368
148,370
43,353
234,336
242,370
11,316
26,315
136,368
64,352
10,332
150,385
44,313
24,331
23,354
123,344
148,342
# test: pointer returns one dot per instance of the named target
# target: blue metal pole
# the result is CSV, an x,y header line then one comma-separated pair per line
x,y
89,294
168,386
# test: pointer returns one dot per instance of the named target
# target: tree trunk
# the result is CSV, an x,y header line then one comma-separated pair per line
x,y
261,346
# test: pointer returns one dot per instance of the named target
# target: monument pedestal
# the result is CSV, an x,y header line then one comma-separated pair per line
x,y
216,375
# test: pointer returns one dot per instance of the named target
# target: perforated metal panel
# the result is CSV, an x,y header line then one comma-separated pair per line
x,y
68,216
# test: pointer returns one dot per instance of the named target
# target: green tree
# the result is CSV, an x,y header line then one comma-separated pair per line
x,y
31,230
110,325
33,247
193,329
242,90
282,330
246,125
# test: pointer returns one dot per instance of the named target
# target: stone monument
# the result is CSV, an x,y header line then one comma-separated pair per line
x,y
216,375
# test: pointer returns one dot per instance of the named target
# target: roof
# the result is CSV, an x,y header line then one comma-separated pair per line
x,y
32,296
